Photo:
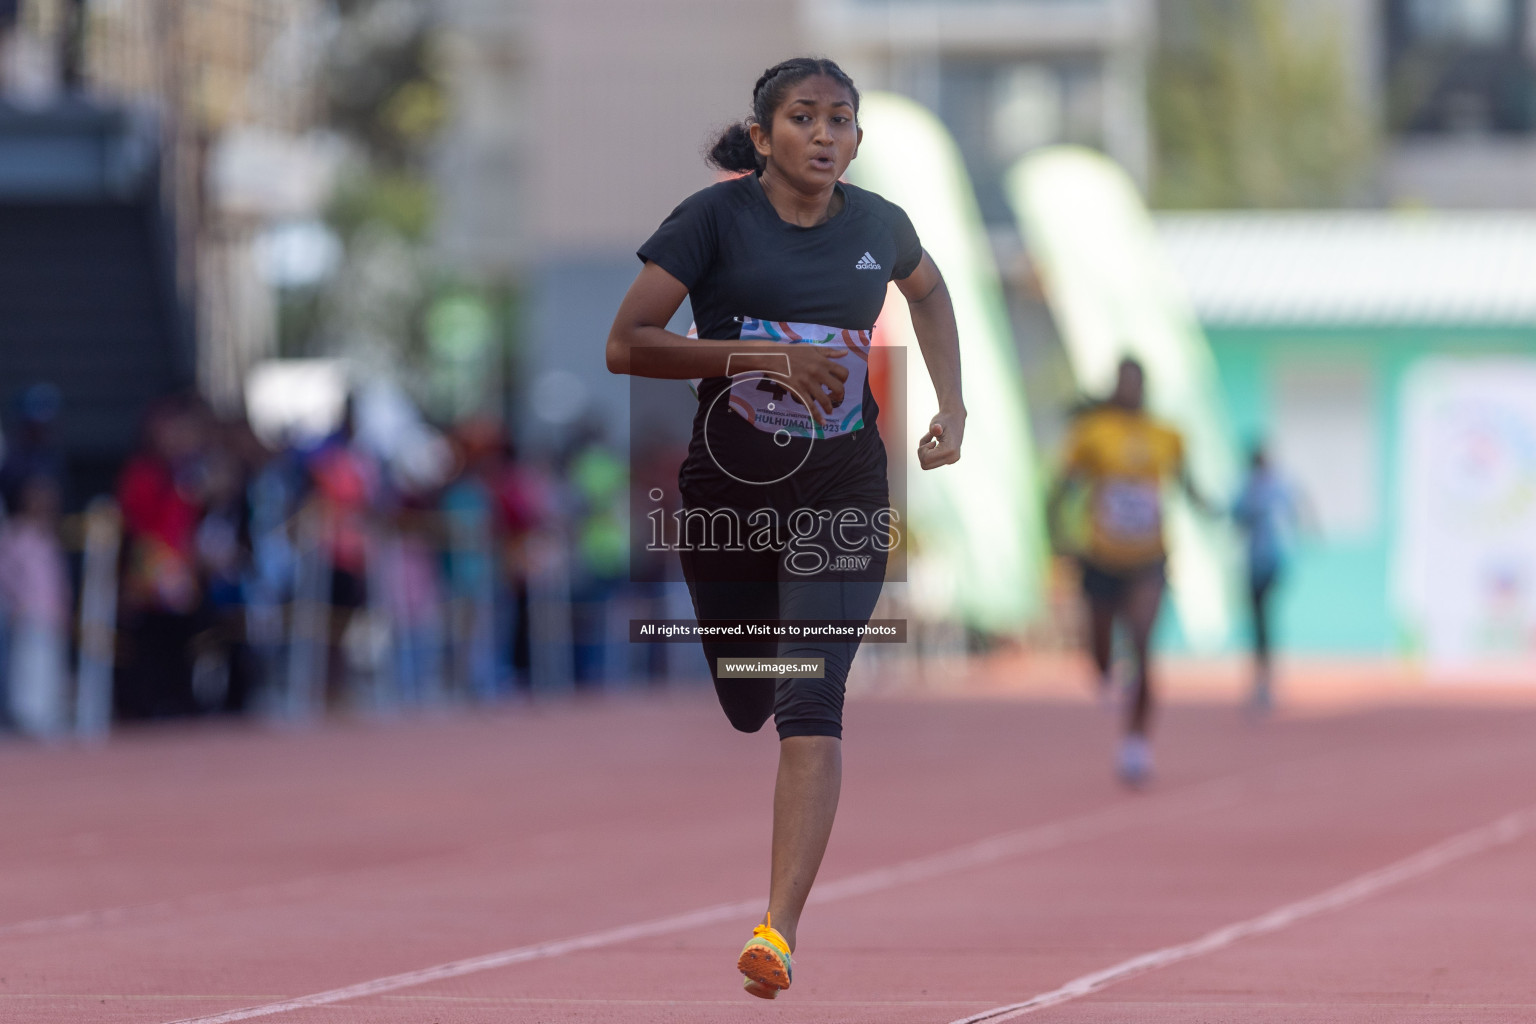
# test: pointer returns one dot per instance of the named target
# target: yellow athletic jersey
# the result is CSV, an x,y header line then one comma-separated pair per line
x,y
1126,457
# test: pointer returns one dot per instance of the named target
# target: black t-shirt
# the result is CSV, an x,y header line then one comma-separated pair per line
x,y
739,259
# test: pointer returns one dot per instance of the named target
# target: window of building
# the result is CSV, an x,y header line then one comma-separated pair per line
x,y
1460,66
1464,22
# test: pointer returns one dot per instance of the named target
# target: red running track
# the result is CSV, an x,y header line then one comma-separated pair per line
x,y
1379,865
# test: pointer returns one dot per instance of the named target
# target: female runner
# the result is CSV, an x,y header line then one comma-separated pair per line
x,y
1126,458
786,268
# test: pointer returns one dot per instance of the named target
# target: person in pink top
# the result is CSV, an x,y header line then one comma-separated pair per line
x,y
346,483
35,600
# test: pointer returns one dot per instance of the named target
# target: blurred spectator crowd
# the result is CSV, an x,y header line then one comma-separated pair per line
x,y
348,572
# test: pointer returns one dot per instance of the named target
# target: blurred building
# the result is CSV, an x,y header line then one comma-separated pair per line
x,y
1458,99
1442,92
1005,77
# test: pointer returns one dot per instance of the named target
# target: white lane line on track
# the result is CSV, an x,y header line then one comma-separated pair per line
x,y
226,899
218,900
1193,800
1506,830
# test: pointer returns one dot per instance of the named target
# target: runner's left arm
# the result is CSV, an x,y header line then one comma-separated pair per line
x,y
933,321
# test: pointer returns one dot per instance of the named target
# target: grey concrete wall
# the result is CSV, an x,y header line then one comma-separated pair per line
x,y
624,95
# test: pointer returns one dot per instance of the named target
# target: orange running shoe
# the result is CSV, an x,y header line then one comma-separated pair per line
x,y
765,962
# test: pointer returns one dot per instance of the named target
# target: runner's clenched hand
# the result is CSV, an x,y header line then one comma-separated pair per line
x,y
941,445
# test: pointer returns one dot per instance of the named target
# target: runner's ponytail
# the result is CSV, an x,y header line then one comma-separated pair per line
x,y
734,151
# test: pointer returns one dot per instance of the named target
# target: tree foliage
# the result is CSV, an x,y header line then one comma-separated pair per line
x,y
384,95
1250,109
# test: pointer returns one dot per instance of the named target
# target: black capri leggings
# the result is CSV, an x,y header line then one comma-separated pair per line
x,y
764,585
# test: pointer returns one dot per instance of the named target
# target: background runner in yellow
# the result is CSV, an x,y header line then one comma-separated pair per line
x,y
1125,457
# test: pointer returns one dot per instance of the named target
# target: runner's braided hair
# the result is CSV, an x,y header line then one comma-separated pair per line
x,y
734,151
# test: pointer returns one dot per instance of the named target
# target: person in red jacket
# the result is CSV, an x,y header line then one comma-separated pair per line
x,y
159,494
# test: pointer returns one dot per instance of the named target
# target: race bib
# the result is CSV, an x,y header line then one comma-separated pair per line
x,y
1129,510
765,401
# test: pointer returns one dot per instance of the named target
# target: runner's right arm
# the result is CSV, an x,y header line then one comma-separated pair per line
x,y
640,344
1073,474
1066,482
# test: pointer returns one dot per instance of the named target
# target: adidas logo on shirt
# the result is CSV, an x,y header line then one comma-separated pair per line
x,y
866,262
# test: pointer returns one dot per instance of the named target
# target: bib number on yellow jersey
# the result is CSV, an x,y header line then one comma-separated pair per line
x,y
1129,511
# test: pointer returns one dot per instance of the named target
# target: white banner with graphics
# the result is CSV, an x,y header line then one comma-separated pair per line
x,y
1465,559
